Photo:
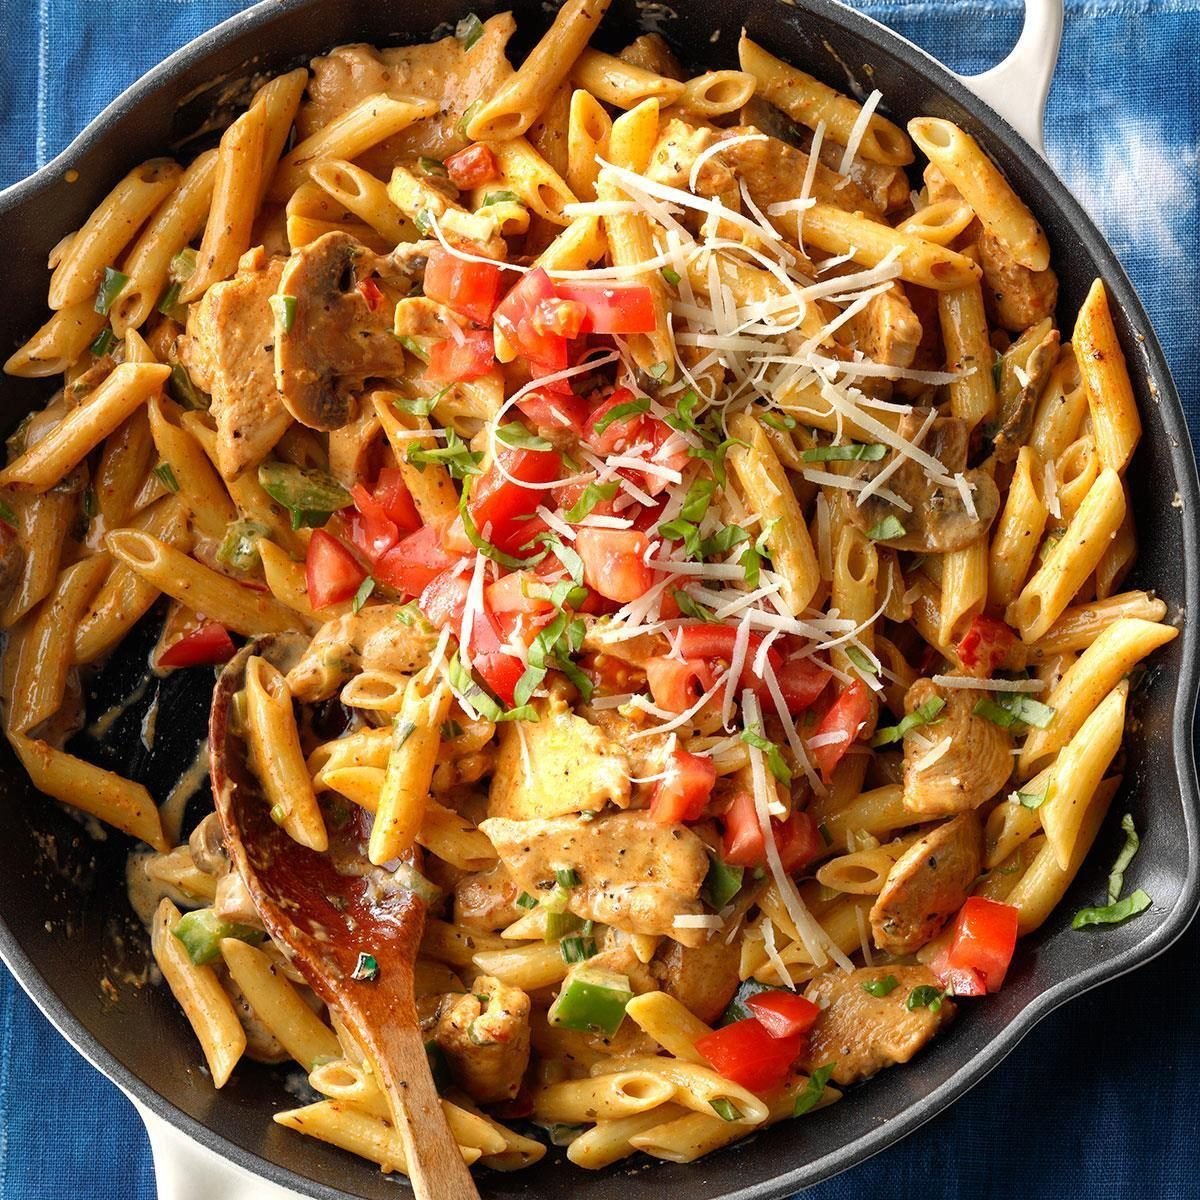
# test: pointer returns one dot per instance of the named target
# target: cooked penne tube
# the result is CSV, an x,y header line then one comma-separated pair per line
x,y
588,130
694,1086
127,457
526,967
365,196
59,343
1018,530
43,522
610,80
961,159
968,352
85,427
715,94
276,757
603,1097
670,1024
109,229
199,587
608,1142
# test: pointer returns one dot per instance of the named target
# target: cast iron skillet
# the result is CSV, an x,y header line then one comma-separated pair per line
x,y
65,929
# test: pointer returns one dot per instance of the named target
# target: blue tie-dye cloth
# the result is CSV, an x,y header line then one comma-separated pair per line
x,y
1100,1100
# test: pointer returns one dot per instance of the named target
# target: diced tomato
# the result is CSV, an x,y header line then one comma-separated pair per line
x,y
369,290
682,795
331,572
783,1014
508,594
515,319
444,597
619,434
414,561
985,936
522,627
553,412
715,643
504,505
746,1053
452,361
613,307
472,166
469,288
565,318
985,645
614,562
498,670
847,715
676,684
797,839
382,515
392,494
801,681
207,646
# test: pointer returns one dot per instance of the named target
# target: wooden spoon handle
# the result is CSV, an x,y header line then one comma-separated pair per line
x,y
435,1164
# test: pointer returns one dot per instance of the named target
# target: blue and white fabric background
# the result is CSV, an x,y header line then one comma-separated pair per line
x,y
1100,1101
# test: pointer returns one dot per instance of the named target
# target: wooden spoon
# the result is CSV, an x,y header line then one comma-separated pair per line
x,y
328,909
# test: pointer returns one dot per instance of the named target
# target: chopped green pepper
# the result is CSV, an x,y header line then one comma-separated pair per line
x,y
239,547
311,496
722,883
592,1000
201,932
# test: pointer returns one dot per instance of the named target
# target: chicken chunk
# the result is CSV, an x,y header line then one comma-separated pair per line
x,y
975,766
375,637
228,351
485,1038
487,900
560,764
861,1033
929,882
1020,297
887,330
443,71
939,522
634,873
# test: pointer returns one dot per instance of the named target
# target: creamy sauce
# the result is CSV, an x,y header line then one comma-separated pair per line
x,y
186,786
150,723
100,727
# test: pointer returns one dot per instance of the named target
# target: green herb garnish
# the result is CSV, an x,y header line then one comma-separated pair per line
x,y
469,30
366,968
592,495
814,1089
925,714
886,530
284,308
852,452
110,289
363,594
1014,709
881,987
726,1109
167,477
753,736
622,412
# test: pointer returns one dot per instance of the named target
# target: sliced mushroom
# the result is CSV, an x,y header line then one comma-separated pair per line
x,y
939,522
333,341
207,845
927,885
1024,372
973,767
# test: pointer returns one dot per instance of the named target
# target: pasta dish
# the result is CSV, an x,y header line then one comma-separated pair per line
x,y
665,502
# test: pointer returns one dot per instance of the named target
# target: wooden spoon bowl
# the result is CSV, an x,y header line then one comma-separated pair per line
x,y
328,910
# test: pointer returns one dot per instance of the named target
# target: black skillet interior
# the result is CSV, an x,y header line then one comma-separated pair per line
x,y
69,934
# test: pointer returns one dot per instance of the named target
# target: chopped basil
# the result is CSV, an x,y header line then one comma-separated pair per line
x,y
521,437
239,547
1014,708
418,406
715,456
432,166
456,456
1033,800
504,197
691,607
284,308
814,1089
726,1109
683,419
751,559
311,496
721,884
671,275
105,340
463,682
469,30
366,968
861,661
780,421
1113,914
852,452
278,814
416,346
184,391
553,647
592,495
723,541
481,543
699,497
363,594
468,116
566,877
170,300
167,476
887,529
753,736
683,531
525,900
925,996
622,412
110,289
1116,877
925,714
881,987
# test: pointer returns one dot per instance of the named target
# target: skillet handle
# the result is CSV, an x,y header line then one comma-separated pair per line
x,y
185,1170
1017,87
